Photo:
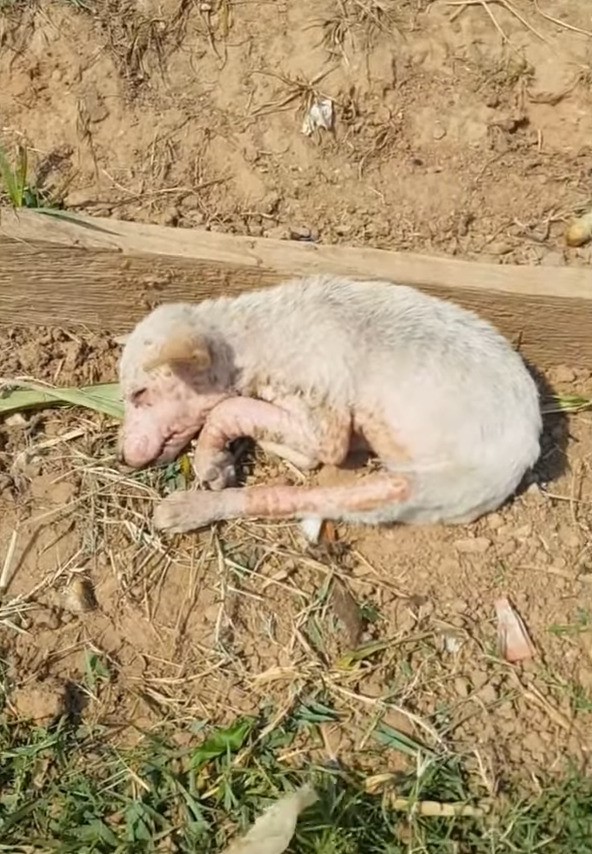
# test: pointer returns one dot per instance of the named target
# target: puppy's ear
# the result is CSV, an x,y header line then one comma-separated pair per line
x,y
185,349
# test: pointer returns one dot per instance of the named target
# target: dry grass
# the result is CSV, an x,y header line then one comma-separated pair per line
x,y
356,22
247,620
290,625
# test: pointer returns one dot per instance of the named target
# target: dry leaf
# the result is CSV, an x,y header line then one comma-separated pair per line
x,y
514,641
274,829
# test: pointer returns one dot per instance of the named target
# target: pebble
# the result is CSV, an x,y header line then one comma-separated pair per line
x,y
479,679
472,545
495,521
487,693
500,247
439,131
302,233
462,687
16,420
79,596
564,374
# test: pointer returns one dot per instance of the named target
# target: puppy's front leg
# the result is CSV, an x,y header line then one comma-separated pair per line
x,y
318,437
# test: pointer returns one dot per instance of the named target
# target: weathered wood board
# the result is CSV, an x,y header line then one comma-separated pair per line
x,y
103,273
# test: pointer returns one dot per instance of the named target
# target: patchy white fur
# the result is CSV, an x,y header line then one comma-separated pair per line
x,y
458,397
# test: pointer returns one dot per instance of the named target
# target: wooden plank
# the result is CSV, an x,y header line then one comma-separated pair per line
x,y
104,273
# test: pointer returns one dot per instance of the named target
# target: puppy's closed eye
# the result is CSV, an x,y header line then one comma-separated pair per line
x,y
140,397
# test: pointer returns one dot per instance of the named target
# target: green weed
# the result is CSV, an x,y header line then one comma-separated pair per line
x,y
67,788
15,183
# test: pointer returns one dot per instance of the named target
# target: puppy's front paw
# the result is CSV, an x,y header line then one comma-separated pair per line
x,y
216,471
185,511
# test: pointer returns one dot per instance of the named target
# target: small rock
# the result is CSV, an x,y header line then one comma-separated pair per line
x,y
532,742
461,687
79,596
495,521
487,694
478,679
564,374
500,247
41,702
16,420
472,545
302,233
439,131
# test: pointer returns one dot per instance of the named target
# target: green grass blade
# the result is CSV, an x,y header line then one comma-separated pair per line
x,y
9,179
397,740
21,174
104,398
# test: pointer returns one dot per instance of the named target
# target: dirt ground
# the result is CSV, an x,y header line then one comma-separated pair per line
x,y
458,128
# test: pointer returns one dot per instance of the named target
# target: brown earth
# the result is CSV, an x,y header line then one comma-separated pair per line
x,y
447,138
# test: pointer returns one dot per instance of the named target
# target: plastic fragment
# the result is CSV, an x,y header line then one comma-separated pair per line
x,y
514,641
320,115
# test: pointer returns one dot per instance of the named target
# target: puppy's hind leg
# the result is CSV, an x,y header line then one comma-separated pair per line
x,y
368,498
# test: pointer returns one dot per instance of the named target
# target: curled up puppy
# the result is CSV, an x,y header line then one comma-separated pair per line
x,y
314,367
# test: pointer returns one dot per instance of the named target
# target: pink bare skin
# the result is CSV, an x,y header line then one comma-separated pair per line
x,y
186,511
324,439
311,367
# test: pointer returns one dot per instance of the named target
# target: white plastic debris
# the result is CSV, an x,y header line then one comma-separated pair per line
x,y
320,115
311,528
274,829
452,644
